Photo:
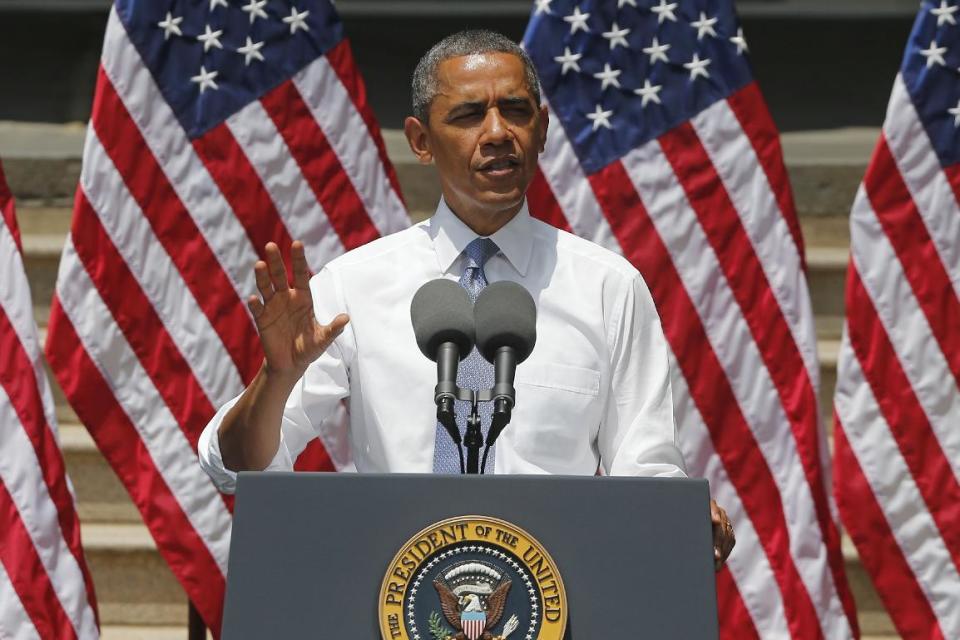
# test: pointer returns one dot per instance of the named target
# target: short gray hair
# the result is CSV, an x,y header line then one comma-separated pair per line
x,y
465,43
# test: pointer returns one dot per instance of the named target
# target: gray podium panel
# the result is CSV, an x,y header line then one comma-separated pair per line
x,y
310,550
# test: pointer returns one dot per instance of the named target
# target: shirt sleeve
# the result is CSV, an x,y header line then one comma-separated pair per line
x,y
638,436
314,399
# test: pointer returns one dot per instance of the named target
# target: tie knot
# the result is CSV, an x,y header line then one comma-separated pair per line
x,y
479,251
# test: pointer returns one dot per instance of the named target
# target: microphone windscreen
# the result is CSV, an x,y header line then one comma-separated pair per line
x,y
441,312
505,316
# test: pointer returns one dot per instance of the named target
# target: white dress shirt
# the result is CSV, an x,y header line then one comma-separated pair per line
x,y
594,395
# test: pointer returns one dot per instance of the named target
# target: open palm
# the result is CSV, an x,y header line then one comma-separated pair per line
x,y
289,332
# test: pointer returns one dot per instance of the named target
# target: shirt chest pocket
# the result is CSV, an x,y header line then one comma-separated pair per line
x,y
558,402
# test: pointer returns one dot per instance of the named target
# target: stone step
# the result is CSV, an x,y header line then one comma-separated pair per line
x,y
165,632
133,583
42,163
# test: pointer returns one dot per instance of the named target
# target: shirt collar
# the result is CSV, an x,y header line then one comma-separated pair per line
x,y
451,236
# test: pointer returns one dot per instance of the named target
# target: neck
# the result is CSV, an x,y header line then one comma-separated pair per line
x,y
484,222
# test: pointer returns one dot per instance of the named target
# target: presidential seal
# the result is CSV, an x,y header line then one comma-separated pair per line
x,y
472,578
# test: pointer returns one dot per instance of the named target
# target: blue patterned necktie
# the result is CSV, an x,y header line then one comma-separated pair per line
x,y
474,372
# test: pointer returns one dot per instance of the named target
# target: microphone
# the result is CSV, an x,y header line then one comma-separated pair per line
x,y
506,325
443,323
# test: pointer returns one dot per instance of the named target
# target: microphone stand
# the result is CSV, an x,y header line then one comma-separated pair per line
x,y
473,437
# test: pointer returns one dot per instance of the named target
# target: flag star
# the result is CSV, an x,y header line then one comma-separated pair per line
x,y
704,26
210,38
740,41
170,25
251,51
608,76
600,118
577,20
206,79
657,51
649,93
622,3
955,112
664,11
934,54
568,60
543,6
616,36
218,3
255,9
945,13
697,67
297,20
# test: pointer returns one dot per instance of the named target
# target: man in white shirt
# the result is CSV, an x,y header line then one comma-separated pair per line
x,y
594,395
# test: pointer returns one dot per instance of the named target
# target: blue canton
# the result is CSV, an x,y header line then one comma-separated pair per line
x,y
930,72
619,73
210,58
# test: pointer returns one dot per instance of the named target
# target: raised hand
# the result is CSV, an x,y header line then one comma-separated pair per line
x,y
289,332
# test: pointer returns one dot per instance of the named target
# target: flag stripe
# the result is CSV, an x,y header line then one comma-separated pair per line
x,y
908,332
13,617
545,205
757,210
341,59
569,184
130,246
279,173
781,356
20,469
895,209
237,179
730,433
172,453
754,117
119,438
143,330
28,576
878,550
927,181
7,211
19,384
890,479
329,103
198,266
24,381
756,617
697,264
902,412
319,165
182,168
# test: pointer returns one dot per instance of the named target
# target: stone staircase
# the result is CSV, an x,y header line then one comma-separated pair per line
x,y
139,598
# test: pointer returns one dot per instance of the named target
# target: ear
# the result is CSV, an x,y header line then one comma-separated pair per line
x,y
418,137
544,123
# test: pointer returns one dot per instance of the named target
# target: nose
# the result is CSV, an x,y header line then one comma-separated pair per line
x,y
495,130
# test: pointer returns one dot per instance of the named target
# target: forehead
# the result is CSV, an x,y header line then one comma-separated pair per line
x,y
481,76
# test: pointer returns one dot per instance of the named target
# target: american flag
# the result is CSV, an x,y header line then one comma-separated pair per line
x,y
216,127
45,587
897,404
661,148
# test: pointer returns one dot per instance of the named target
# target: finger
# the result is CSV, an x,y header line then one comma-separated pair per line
x,y
263,280
301,273
278,273
328,333
255,306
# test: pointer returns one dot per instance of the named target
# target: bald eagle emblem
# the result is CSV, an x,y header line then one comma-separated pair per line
x,y
472,597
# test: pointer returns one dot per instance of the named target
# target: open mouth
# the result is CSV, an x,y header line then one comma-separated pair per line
x,y
500,166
